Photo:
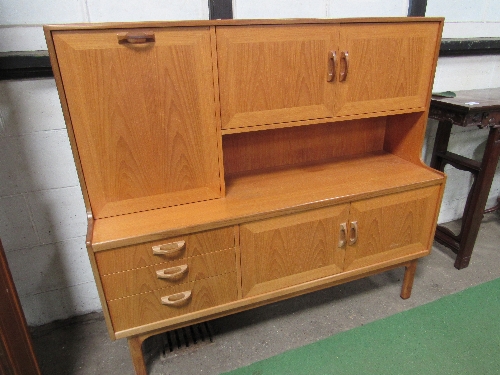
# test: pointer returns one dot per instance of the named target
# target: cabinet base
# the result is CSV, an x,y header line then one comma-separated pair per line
x,y
135,342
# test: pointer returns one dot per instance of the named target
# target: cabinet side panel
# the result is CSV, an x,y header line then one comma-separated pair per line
x,y
405,136
67,117
143,117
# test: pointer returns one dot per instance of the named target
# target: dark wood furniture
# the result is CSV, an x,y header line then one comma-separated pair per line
x,y
16,350
469,108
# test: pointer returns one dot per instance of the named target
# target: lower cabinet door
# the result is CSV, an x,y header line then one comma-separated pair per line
x,y
292,249
393,226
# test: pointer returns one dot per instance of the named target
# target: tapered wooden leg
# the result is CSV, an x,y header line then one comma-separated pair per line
x,y
408,279
135,347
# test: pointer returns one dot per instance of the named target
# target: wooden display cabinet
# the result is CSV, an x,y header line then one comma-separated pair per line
x,y
230,164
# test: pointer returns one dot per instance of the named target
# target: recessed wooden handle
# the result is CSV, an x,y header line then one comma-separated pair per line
x,y
170,250
344,65
137,37
177,300
172,273
353,233
332,62
343,235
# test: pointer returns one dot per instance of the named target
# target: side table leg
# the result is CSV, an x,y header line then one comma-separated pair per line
x,y
135,347
410,270
478,196
441,144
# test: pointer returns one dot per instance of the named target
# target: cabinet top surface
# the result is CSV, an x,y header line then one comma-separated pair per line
x,y
239,22
470,100
256,196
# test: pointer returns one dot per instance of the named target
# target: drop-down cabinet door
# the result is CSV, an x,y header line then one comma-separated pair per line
x,y
276,74
290,250
142,108
391,227
385,67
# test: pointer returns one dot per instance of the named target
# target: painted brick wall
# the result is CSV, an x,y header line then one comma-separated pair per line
x,y
42,216
465,19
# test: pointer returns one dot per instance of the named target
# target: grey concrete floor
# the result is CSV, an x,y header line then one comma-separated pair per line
x,y
81,345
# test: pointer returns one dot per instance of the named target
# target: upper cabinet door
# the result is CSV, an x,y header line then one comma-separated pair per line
x,y
386,67
275,74
142,108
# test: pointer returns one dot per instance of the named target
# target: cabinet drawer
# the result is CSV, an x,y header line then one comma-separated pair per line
x,y
137,256
147,308
181,271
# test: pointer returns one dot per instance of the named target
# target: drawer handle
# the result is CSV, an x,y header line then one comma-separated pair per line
x,y
343,235
344,65
136,37
177,300
353,238
169,249
172,273
332,62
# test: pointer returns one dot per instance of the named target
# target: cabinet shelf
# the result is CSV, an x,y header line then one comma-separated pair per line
x,y
261,194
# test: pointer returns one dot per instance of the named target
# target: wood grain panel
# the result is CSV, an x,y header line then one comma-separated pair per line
x,y
132,257
143,280
393,226
288,250
256,196
390,66
274,74
146,308
303,144
143,117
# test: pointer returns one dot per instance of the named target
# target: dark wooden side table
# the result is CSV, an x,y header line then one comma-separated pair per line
x,y
469,108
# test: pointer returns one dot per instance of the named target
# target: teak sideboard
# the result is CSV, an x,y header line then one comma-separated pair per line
x,y
230,164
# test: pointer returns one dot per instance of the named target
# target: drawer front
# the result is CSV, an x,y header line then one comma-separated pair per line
x,y
137,256
147,308
181,271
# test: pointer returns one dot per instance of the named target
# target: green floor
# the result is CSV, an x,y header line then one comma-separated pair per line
x,y
457,334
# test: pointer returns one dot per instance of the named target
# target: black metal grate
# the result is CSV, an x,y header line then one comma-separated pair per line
x,y
184,337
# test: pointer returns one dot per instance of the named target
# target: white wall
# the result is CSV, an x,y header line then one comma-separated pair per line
x,y
465,19
42,216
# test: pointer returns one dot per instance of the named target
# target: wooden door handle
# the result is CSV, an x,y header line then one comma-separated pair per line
x,y
344,65
172,273
177,300
137,37
332,62
343,235
170,250
353,233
